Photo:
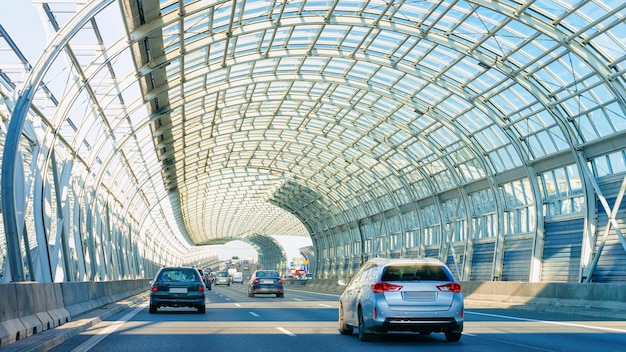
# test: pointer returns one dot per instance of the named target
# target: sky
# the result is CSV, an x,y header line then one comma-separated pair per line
x,y
291,245
21,20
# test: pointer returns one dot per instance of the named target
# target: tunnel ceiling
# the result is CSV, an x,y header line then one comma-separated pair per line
x,y
264,115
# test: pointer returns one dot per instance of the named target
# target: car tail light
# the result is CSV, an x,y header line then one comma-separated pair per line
x,y
380,287
451,287
201,288
155,288
256,281
280,281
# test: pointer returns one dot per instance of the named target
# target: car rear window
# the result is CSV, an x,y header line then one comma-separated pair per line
x,y
267,274
178,275
417,272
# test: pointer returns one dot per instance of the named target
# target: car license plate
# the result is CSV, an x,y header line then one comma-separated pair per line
x,y
419,295
267,282
178,290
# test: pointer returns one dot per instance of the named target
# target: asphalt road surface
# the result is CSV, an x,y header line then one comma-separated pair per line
x,y
304,321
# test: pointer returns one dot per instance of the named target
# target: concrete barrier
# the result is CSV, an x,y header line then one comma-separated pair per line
x,y
294,282
28,308
597,299
320,285
593,297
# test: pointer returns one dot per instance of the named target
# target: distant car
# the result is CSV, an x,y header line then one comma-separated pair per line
x,y
177,287
222,278
208,281
201,272
407,295
238,277
308,276
204,276
265,281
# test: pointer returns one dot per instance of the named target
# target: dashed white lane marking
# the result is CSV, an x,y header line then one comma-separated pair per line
x,y
324,305
238,305
254,314
285,331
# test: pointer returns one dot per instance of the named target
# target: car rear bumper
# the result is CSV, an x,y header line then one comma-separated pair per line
x,y
425,325
267,290
177,302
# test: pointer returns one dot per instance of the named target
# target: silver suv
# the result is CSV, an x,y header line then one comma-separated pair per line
x,y
388,295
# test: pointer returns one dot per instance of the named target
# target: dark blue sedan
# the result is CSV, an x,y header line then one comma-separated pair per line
x,y
265,281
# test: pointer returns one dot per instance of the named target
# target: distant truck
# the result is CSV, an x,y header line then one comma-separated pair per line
x,y
300,274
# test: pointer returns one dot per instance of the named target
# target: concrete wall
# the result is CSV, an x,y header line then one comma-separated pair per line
x,y
599,296
593,297
27,308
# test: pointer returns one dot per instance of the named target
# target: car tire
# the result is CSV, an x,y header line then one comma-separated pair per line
x,y
280,295
153,309
202,309
453,336
344,329
363,336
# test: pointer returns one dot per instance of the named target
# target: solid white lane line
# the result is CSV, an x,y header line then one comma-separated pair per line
x,y
550,322
285,331
87,345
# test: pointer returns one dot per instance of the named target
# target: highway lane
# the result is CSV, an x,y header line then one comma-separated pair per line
x,y
303,321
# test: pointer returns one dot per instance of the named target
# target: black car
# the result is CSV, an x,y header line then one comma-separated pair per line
x,y
177,287
265,281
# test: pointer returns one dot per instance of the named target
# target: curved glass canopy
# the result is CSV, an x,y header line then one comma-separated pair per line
x,y
371,126
375,102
